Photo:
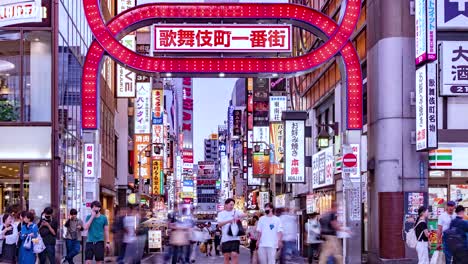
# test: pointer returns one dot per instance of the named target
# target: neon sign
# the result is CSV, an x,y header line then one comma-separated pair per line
x,y
106,42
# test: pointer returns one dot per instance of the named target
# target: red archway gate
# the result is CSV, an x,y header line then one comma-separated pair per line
x,y
106,41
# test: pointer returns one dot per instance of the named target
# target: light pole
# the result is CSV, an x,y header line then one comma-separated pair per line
x,y
157,150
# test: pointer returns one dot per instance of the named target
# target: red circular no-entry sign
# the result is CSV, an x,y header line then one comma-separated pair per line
x,y
349,160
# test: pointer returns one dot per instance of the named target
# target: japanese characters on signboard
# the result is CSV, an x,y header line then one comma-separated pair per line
x,y
323,168
294,151
426,48
426,107
278,84
123,5
454,68
252,201
20,11
157,175
310,204
261,93
277,143
142,109
170,192
452,14
89,153
278,104
236,153
141,141
222,38
154,239
126,78
263,198
261,162
251,180
237,126
231,120
187,112
158,106
355,175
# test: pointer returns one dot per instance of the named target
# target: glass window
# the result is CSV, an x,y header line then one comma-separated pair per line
x,y
10,196
437,200
459,194
37,175
10,72
37,76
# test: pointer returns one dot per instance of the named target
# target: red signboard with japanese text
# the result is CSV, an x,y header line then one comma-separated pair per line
x,y
222,38
141,141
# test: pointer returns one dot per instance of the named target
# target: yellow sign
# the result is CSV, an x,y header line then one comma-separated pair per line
x,y
214,136
141,142
156,174
186,195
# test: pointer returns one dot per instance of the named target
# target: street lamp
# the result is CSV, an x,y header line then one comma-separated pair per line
x,y
323,136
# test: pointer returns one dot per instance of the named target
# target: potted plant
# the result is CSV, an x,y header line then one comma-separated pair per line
x,y
8,112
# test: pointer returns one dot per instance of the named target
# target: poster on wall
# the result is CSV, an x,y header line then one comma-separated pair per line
x,y
454,68
294,151
323,168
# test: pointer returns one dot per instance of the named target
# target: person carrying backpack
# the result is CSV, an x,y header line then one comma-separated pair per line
x,y
332,247
456,237
422,234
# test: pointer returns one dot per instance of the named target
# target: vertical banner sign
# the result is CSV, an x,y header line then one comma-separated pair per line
x,y
252,200
187,112
454,68
421,106
261,93
140,142
426,107
295,151
426,50
89,161
277,143
323,168
126,78
251,180
237,126
264,198
142,109
158,106
157,171
231,120
278,85
278,104
261,162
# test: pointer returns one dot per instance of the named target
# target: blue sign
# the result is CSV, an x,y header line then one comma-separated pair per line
x,y
188,183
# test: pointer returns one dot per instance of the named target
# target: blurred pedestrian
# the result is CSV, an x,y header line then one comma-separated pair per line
x,y
253,236
8,239
19,225
180,236
422,234
312,227
133,249
37,219
270,231
229,243
48,228
443,223
207,230
74,227
332,249
217,240
98,234
289,221
29,231
118,233
460,254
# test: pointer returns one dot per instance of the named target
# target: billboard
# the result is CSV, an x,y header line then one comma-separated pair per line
x,y
237,123
426,107
142,108
277,145
294,151
452,15
260,161
20,11
323,164
278,84
222,38
278,104
454,68
140,141
157,106
157,174
126,78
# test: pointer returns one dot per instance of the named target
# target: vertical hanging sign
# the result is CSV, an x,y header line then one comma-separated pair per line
x,y
126,78
425,12
294,151
426,107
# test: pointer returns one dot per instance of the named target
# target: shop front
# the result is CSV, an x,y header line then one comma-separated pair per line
x,y
448,180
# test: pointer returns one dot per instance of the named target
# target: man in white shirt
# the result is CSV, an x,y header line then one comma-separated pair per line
x,y
269,230
443,224
229,244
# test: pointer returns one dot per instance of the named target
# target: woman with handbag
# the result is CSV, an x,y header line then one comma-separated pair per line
x,y
422,234
29,231
8,237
